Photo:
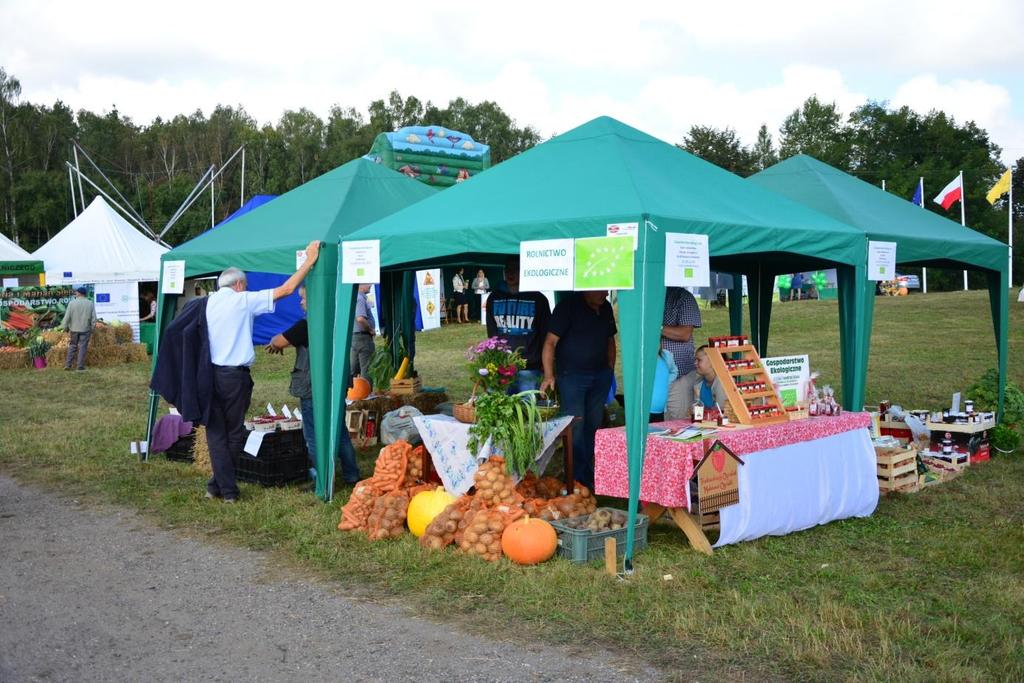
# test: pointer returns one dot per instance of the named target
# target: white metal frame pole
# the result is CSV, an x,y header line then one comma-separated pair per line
x,y
71,182
211,204
924,271
963,213
241,199
1009,227
78,171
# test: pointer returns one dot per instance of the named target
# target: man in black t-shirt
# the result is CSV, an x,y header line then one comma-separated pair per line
x,y
581,345
301,387
521,319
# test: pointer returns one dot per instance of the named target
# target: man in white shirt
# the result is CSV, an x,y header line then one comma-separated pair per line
x,y
229,317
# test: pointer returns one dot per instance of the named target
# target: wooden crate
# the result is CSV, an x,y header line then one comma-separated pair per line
x,y
897,470
403,387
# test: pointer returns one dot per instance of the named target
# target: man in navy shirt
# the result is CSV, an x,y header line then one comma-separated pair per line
x,y
521,319
581,345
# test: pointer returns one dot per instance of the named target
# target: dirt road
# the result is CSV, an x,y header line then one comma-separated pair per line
x,y
101,594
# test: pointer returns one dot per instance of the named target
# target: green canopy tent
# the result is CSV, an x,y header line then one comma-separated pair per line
x,y
922,238
607,172
266,239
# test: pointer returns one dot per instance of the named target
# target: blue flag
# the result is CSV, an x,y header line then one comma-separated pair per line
x,y
918,196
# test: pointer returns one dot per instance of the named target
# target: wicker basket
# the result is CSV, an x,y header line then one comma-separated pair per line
x,y
464,412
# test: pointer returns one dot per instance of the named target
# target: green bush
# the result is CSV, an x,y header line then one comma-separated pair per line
x,y
1004,438
985,394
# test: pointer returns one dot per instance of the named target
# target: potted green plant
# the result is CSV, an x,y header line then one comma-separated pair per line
x,y
37,348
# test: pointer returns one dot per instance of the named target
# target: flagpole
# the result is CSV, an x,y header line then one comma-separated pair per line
x,y
924,271
963,214
1010,226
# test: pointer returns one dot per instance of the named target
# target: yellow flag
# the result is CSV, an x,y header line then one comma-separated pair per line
x,y
1001,187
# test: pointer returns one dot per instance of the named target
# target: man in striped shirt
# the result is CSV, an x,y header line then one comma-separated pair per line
x,y
682,316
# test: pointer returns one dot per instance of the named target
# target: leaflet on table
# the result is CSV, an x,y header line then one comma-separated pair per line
x,y
690,433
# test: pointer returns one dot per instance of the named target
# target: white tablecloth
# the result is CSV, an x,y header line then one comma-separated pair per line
x,y
795,487
445,438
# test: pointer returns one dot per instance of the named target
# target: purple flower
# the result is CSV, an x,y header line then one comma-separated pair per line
x,y
483,372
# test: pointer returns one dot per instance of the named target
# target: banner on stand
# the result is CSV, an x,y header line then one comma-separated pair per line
x,y
428,284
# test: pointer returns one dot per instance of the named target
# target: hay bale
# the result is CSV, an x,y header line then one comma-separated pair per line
x,y
135,353
122,334
14,360
382,404
426,402
102,354
201,452
54,336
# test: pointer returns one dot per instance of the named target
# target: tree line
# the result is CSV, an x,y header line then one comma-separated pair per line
x,y
155,166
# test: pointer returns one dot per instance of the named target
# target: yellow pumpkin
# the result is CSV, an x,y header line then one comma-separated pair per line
x,y
424,506
529,541
360,389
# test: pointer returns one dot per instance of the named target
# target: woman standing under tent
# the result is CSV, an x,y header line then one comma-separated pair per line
x,y
461,302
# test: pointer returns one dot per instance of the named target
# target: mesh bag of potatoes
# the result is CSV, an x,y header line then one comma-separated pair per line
x,y
356,511
493,485
441,531
387,520
389,470
482,536
414,465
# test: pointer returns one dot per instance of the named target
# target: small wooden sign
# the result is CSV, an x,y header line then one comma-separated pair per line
x,y
718,483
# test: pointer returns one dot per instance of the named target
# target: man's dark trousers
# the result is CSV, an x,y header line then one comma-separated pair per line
x,y
583,395
225,431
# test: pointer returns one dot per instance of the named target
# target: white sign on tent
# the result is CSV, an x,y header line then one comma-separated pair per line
x,y
173,281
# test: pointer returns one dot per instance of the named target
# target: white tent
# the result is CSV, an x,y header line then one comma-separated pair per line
x,y
9,251
100,246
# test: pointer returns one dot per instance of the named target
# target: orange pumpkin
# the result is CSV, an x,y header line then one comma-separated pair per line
x,y
360,389
529,541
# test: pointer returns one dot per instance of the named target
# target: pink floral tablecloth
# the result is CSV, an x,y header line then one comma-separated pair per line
x,y
668,465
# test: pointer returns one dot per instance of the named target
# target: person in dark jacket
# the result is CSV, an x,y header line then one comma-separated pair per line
x,y
184,374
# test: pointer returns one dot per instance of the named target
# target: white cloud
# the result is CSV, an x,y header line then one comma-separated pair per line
x,y
661,66
987,104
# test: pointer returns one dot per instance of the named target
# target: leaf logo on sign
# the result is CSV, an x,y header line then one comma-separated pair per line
x,y
604,263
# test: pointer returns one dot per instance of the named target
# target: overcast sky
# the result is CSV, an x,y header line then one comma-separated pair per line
x,y
661,67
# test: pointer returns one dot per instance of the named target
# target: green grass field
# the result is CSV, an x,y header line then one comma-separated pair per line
x,y
931,587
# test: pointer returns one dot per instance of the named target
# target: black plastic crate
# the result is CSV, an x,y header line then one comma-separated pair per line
x,y
282,460
181,450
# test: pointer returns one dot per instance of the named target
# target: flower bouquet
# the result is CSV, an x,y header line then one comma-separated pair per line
x,y
493,366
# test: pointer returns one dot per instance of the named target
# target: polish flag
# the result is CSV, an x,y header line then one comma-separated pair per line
x,y
950,193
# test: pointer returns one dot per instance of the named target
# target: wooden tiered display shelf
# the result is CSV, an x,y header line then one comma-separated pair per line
x,y
751,394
